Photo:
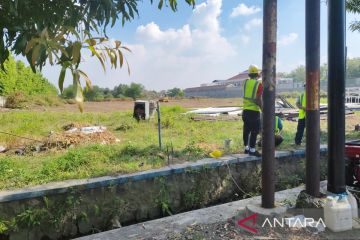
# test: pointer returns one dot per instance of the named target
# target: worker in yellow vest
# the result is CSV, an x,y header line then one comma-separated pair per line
x,y
278,129
253,90
301,104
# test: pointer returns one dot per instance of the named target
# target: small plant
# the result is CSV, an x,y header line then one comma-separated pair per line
x,y
32,217
5,166
163,196
16,100
168,123
193,151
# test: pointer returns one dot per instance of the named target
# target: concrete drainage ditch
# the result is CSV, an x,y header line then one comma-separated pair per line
x,y
74,208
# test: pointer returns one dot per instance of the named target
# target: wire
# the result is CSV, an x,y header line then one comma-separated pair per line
x,y
233,179
10,134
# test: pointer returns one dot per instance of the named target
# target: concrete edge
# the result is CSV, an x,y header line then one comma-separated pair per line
x,y
91,183
179,222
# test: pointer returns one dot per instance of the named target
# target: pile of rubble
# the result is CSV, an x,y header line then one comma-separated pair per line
x,y
78,136
73,135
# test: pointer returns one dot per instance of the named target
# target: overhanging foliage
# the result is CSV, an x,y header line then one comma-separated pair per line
x,y
56,31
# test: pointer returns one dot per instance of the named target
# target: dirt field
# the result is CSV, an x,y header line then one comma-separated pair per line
x,y
128,105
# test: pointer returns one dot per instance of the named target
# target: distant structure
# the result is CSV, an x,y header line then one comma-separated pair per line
x,y
352,95
233,87
2,101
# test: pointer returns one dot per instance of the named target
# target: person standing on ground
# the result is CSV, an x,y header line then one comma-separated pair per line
x,y
301,104
253,90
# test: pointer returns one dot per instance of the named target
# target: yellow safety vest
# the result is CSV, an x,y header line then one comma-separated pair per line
x,y
302,113
250,89
276,124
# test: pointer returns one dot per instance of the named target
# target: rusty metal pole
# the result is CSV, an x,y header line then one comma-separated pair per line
x,y
312,97
269,82
336,96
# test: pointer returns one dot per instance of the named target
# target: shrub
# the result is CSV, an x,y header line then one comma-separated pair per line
x,y
16,100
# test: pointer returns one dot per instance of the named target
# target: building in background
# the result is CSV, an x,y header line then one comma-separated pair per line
x,y
233,87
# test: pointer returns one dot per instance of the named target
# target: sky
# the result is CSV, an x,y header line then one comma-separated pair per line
x,y
213,41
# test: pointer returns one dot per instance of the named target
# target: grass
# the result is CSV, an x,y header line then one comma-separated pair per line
x,y
137,150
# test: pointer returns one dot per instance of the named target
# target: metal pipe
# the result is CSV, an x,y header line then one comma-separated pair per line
x,y
336,96
312,97
269,82
159,123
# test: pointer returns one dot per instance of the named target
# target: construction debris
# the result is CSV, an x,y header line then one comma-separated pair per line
x,y
74,134
87,130
215,111
2,149
283,109
78,135
210,118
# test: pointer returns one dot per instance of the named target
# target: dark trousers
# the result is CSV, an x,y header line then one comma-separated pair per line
x,y
300,131
251,127
278,140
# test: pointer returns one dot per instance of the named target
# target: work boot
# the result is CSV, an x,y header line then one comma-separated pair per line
x,y
255,154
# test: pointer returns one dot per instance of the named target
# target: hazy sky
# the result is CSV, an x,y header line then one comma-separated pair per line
x,y
216,40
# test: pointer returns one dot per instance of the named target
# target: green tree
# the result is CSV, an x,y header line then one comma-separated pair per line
x,y
119,91
323,72
19,78
68,92
298,74
353,68
94,93
42,30
134,91
353,6
175,92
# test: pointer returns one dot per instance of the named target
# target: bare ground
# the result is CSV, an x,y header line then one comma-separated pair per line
x,y
128,105
230,231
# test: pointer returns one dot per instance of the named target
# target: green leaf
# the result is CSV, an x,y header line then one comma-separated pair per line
x,y
121,58
76,52
79,96
128,49
62,78
35,54
128,66
31,44
161,2
94,52
50,57
87,79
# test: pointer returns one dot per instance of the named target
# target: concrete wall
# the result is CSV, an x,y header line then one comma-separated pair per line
x,y
78,207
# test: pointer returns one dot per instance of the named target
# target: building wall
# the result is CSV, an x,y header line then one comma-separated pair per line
x,y
233,92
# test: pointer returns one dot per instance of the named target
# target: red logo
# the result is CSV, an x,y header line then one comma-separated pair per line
x,y
253,218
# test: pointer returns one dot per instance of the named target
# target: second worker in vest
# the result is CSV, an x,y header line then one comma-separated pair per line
x,y
278,130
301,104
253,90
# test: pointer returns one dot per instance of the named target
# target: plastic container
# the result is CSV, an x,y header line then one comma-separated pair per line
x,y
354,206
338,213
